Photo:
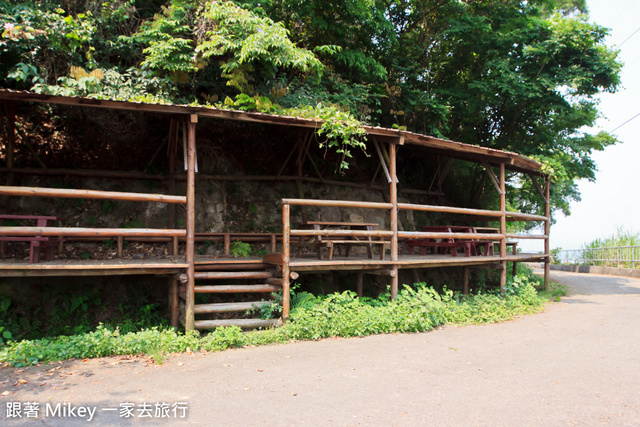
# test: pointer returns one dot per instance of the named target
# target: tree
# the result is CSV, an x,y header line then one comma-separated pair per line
x,y
513,75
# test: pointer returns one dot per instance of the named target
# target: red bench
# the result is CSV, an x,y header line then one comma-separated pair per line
x,y
37,242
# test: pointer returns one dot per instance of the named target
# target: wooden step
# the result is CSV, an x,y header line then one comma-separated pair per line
x,y
243,323
231,275
230,289
230,267
227,307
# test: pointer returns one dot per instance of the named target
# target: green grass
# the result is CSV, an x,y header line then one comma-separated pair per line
x,y
416,309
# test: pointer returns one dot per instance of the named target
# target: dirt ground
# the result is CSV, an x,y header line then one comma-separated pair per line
x,y
576,363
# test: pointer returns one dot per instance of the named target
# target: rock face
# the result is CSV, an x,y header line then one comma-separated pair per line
x,y
235,206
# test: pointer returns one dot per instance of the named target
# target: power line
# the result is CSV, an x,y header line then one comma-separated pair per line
x,y
625,122
632,34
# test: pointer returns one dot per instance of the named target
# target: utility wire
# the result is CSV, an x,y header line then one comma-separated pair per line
x,y
632,34
625,122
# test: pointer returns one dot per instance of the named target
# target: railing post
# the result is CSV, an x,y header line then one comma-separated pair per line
x,y
393,196
503,230
286,258
189,315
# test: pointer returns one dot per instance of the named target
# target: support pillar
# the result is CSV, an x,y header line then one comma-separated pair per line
x,y
189,318
359,283
465,280
393,195
547,229
10,113
503,229
286,257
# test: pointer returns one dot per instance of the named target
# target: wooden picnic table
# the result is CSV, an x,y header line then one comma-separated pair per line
x,y
320,242
442,246
37,242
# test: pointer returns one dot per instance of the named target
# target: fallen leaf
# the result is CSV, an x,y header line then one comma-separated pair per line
x,y
6,393
85,360
22,381
260,370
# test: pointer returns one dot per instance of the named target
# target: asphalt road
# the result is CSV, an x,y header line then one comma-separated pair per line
x,y
576,363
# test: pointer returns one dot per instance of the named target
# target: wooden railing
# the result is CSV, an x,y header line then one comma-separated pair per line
x,y
501,236
119,233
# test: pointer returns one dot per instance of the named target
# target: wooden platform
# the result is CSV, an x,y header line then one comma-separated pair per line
x,y
60,267
173,265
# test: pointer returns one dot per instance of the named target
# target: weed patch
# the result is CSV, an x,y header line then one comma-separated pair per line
x,y
416,309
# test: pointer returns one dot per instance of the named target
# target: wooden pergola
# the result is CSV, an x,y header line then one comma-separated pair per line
x,y
185,271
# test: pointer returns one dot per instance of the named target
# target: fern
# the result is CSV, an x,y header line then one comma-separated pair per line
x,y
241,249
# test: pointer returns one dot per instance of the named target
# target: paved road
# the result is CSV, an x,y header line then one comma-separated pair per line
x,y
576,363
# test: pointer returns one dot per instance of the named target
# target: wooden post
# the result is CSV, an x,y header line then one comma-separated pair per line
x,y
503,229
227,244
10,111
189,318
547,229
286,257
174,301
171,220
120,244
465,280
393,195
359,283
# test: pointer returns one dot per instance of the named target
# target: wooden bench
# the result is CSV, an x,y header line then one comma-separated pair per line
x,y
37,242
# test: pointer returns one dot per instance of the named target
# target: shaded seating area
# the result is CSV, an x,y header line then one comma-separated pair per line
x,y
365,243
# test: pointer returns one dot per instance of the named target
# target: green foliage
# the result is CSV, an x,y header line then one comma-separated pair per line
x,y
622,237
245,43
241,249
512,75
416,309
133,223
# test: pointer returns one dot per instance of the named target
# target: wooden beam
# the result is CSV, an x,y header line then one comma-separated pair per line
x,y
337,203
286,258
492,175
88,232
383,163
191,219
89,194
393,197
547,229
449,209
537,186
10,112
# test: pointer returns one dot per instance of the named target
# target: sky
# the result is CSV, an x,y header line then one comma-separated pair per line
x,y
614,199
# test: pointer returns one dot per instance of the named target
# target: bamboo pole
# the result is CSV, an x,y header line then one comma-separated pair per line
x,y
445,235
449,209
343,233
87,232
89,194
547,229
171,152
337,203
286,258
393,197
503,229
191,217
528,236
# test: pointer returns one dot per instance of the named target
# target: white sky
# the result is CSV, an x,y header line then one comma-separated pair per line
x,y
614,199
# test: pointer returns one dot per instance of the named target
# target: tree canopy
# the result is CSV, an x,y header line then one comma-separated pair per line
x,y
517,75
